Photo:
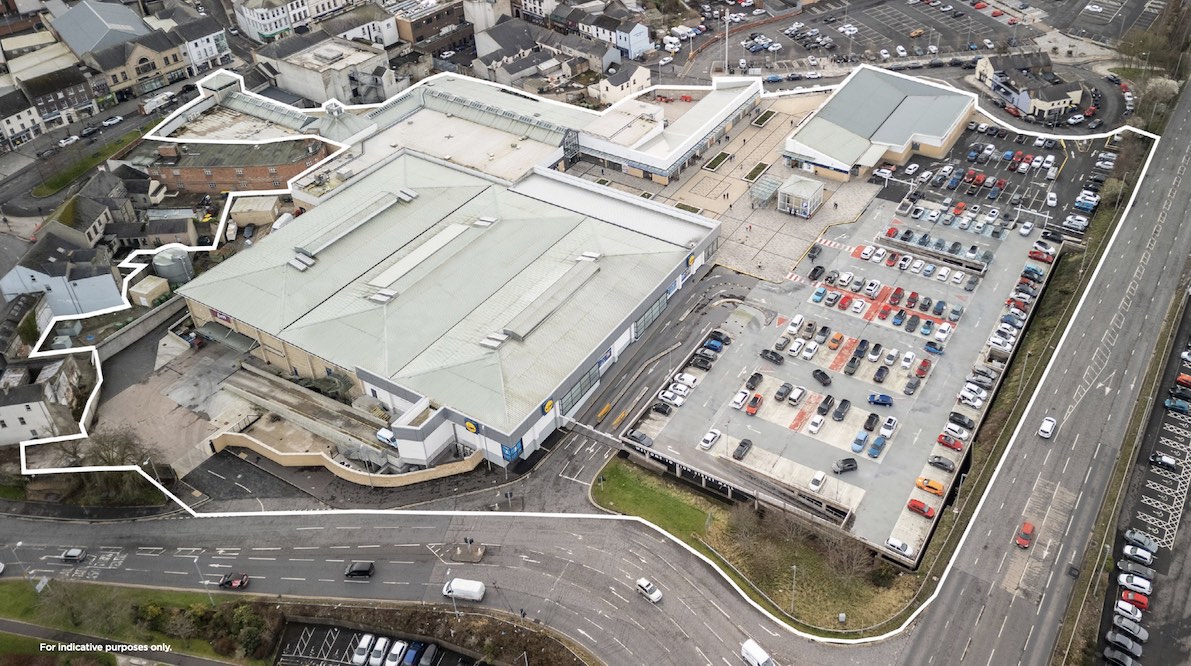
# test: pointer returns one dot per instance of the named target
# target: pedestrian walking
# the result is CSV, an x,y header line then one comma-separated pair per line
x,y
750,227
835,204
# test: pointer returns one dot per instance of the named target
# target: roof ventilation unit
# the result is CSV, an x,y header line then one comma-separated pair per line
x,y
594,256
405,194
487,221
297,264
489,343
383,296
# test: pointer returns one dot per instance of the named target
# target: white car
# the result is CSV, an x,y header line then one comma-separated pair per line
x,y
908,360
933,216
943,274
999,344
62,143
1023,167
932,49
925,176
817,481
1138,554
684,378
775,47
1126,609
878,256
905,261
114,120
884,54
891,357
1095,9
901,51
808,352
795,347
741,398
1048,162
958,277
889,426
859,306
1037,161
797,25
447,54
991,215
917,266
988,44
867,252
812,61
815,425
1131,582
943,332
1039,141
1027,227
665,61
360,654
844,279
975,390
670,398
680,389
709,439
812,75
958,432
1048,428
911,170
758,12
1052,199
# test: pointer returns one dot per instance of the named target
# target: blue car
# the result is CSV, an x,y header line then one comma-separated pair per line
x,y
927,327
714,345
877,447
899,317
934,348
954,182
773,78
972,155
1008,156
859,442
994,193
819,294
880,399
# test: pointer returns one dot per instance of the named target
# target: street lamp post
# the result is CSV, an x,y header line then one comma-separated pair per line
x,y
17,558
793,580
453,604
203,582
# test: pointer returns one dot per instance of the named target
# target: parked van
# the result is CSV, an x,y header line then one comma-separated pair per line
x,y
1052,173
795,325
753,655
462,588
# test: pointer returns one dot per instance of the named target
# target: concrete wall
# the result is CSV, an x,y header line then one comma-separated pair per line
x,y
138,329
227,439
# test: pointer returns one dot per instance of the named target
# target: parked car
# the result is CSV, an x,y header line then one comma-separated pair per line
x,y
742,449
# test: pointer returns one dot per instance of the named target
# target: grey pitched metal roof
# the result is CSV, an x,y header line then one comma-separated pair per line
x,y
624,74
197,29
354,18
13,102
117,55
47,84
92,25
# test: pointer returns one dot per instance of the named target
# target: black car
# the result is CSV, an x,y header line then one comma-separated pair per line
x,y
1180,392
46,153
364,569
853,365
754,381
662,408
822,377
861,347
841,410
826,405
794,76
783,391
844,465
721,337
912,323
972,282
870,423
941,462
234,581
831,277
249,230
772,356
961,420
817,272
699,362
907,235
912,386
88,130
925,303
814,251
189,87
880,375
742,449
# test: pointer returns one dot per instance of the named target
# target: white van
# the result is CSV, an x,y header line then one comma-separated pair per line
x,y
1052,173
462,588
795,325
753,654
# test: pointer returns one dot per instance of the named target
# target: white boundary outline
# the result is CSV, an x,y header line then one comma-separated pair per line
x,y
136,267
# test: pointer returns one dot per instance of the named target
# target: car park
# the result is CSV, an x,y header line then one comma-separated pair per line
x,y
942,463
1141,539
1135,584
754,404
742,449
816,423
709,439
929,485
921,508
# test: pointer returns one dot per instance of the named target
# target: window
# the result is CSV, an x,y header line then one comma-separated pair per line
x,y
277,183
272,169
206,172
21,419
176,172
3,424
28,408
175,58
239,172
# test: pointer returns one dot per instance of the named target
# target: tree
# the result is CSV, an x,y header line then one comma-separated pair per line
x,y
1111,191
181,625
1161,89
63,601
108,448
848,557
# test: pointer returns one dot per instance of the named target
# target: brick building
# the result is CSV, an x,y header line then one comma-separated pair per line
x,y
212,168
433,27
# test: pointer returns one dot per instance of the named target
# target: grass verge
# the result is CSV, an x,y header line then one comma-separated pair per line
x,y
688,208
756,171
763,119
83,164
12,646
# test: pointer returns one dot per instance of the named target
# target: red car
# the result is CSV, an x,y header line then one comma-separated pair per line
x,y
1028,158
1001,183
1091,111
959,209
884,313
997,12
845,302
979,180
981,5
919,507
1025,536
1017,155
923,368
1012,20
950,442
969,175
891,260
1013,303
754,404
235,581
891,232
896,298
912,300
1041,256
1141,601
